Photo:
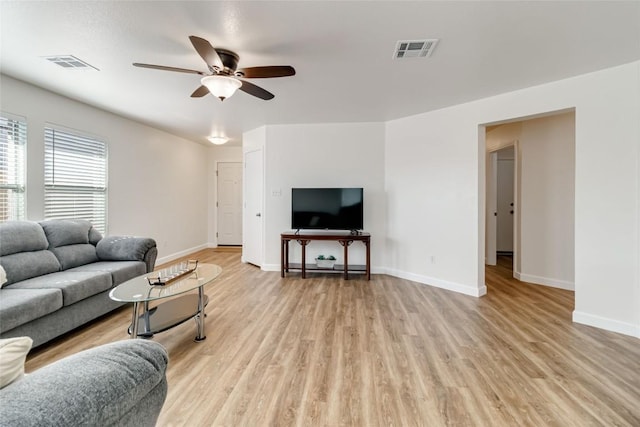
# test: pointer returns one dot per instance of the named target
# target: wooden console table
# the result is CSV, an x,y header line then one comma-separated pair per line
x,y
303,238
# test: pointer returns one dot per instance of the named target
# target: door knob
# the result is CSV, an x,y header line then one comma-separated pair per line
x,y
258,214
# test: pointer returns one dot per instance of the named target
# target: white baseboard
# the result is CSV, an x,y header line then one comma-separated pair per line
x,y
606,324
545,281
439,283
180,254
270,267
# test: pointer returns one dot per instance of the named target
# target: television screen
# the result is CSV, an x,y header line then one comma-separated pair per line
x,y
327,208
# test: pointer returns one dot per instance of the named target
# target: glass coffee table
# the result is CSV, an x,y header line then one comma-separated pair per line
x,y
174,284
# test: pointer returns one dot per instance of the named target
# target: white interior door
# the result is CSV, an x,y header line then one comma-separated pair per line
x,y
491,208
505,203
229,203
252,245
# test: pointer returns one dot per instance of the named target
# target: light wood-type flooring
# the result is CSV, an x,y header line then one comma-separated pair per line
x,y
389,352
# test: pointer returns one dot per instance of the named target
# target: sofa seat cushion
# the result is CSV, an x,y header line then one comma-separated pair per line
x,y
75,285
120,271
19,306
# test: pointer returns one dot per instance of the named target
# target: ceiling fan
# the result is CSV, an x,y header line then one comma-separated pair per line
x,y
224,78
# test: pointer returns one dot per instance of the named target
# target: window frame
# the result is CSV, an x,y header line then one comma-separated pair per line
x,y
20,166
65,138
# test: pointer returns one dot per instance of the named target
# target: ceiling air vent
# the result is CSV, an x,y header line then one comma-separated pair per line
x,y
414,48
70,62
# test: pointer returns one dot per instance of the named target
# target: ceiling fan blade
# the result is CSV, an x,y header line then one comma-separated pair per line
x,y
162,67
254,90
207,52
266,72
200,92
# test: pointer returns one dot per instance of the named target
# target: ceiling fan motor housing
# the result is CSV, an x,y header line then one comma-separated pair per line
x,y
229,60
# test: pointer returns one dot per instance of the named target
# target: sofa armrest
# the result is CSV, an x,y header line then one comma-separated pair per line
x,y
121,383
150,258
128,248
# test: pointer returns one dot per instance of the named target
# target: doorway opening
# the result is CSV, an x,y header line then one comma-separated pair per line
x,y
500,199
529,198
505,206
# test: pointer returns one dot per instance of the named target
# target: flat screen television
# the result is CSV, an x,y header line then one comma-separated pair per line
x,y
327,208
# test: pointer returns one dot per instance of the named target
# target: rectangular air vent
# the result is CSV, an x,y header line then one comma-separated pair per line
x,y
414,48
70,62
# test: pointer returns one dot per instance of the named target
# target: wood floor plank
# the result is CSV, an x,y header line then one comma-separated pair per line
x,y
323,351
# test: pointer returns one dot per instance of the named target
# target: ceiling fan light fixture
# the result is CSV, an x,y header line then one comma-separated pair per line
x,y
221,86
218,140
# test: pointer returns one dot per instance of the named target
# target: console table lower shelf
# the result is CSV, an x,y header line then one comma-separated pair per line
x,y
337,268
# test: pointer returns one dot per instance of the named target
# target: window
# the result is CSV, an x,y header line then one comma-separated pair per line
x,y
75,177
13,140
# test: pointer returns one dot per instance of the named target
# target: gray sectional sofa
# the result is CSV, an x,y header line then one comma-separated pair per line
x,y
59,274
118,384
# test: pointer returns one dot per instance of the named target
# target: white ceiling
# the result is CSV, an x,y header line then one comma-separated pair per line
x,y
342,52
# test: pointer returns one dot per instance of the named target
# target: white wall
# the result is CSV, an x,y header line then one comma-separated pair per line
x,y
432,192
547,171
157,181
324,155
435,174
503,136
217,154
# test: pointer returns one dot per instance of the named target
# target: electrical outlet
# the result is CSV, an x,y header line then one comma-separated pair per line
x,y
433,259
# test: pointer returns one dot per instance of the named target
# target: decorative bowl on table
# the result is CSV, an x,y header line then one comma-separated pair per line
x,y
327,262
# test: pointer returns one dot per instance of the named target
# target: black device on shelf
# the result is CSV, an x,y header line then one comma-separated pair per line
x,y
327,208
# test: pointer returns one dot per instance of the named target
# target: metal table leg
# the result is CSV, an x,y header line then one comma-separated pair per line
x,y
200,316
134,321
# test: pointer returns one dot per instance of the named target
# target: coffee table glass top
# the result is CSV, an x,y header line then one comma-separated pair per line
x,y
138,289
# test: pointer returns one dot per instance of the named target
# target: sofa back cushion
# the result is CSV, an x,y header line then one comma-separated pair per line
x,y
70,241
23,251
94,236
62,232
21,236
71,256
25,265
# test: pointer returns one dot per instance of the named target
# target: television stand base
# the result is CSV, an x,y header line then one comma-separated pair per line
x,y
344,238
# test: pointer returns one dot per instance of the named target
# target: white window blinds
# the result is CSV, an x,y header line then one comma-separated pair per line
x,y
13,141
75,177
